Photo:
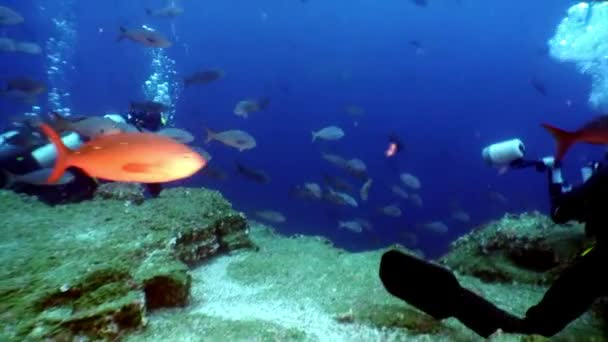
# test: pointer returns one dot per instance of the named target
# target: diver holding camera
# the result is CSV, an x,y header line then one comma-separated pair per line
x,y
436,291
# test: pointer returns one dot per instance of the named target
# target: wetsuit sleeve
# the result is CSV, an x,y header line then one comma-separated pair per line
x,y
573,205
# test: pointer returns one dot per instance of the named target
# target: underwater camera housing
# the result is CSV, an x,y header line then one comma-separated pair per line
x,y
504,153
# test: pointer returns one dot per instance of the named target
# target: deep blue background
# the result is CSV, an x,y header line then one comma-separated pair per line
x,y
470,87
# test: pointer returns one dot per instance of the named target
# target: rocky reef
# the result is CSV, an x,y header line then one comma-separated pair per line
x,y
94,270
522,249
110,269
527,248
302,288
128,192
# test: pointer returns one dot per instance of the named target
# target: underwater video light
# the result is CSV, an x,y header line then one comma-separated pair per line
x,y
503,153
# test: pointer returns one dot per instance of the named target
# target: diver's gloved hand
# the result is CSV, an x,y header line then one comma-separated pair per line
x,y
546,163
551,163
554,169
590,169
557,185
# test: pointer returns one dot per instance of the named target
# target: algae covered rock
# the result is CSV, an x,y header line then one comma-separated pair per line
x,y
527,248
95,268
132,192
165,280
302,288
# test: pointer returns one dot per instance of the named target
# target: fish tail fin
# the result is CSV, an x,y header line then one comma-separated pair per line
x,y
563,140
121,34
63,153
314,136
210,135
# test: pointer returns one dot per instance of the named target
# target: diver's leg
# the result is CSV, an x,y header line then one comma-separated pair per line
x,y
485,318
570,295
154,189
416,282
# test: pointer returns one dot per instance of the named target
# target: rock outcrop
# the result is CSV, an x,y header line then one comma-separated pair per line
x,y
95,268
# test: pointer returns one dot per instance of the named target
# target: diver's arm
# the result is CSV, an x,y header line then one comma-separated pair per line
x,y
521,163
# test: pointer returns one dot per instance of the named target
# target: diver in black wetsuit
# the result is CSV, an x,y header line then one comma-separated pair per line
x,y
436,291
21,159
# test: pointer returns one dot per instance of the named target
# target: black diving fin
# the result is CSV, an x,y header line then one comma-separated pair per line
x,y
435,290
416,281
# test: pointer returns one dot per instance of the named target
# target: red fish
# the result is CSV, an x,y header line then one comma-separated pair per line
x,y
127,157
594,132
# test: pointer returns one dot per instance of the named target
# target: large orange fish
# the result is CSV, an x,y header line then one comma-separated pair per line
x,y
594,132
127,157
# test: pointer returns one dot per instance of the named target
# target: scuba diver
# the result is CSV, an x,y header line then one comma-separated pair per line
x,y
436,291
25,156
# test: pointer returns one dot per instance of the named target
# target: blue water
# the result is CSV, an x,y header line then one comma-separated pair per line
x,y
469,88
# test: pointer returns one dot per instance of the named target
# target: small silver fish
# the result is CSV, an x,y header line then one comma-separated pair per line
x,y
170,11
7,45
244,107
461,216
341,198
28,47
9,16
177,134
271,216
24,89
364,192
145,37
353,226
204,77
38,177
391,210
310,191
240,140
90,127
397,190
335,160
410,181
436,227
328,133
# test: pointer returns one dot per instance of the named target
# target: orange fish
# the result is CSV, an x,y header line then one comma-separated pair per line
x,y
594,132
127,157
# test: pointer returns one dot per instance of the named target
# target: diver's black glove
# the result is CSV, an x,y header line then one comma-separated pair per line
x,y
557,185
